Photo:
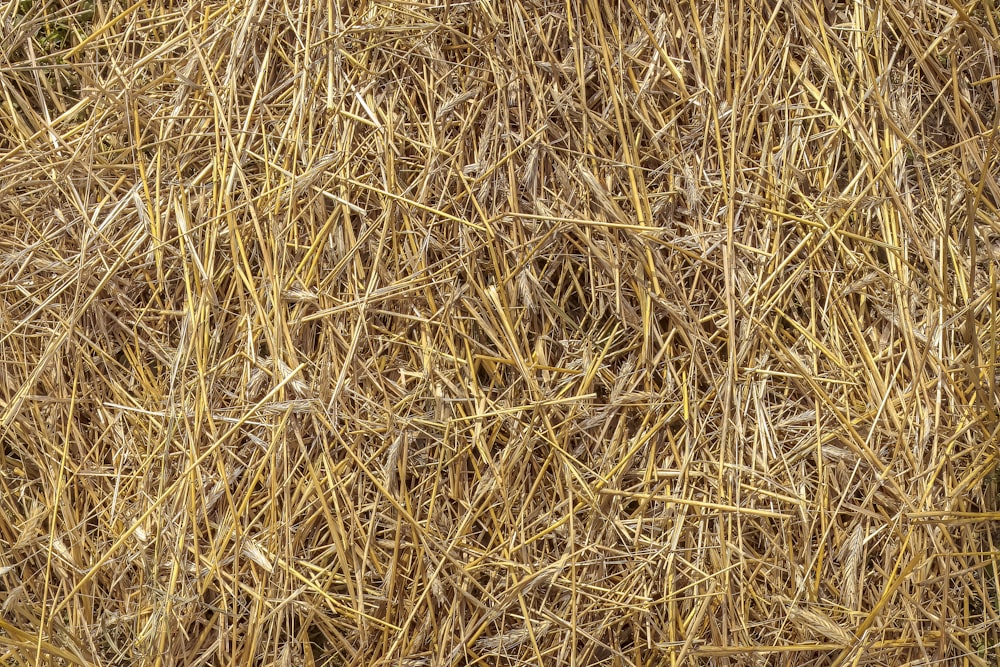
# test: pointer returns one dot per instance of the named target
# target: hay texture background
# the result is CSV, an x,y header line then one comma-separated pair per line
x,y
498,333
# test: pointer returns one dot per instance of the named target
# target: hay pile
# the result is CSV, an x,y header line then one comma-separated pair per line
x,y
498,333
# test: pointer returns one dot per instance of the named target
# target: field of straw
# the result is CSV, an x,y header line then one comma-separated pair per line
x,y
417,333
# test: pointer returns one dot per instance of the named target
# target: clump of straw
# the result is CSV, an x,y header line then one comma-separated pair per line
x,y
521,332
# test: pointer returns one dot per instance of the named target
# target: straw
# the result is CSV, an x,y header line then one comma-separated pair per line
x,y
498,333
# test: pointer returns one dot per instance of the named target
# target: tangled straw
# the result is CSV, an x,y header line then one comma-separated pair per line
x,y
498,333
